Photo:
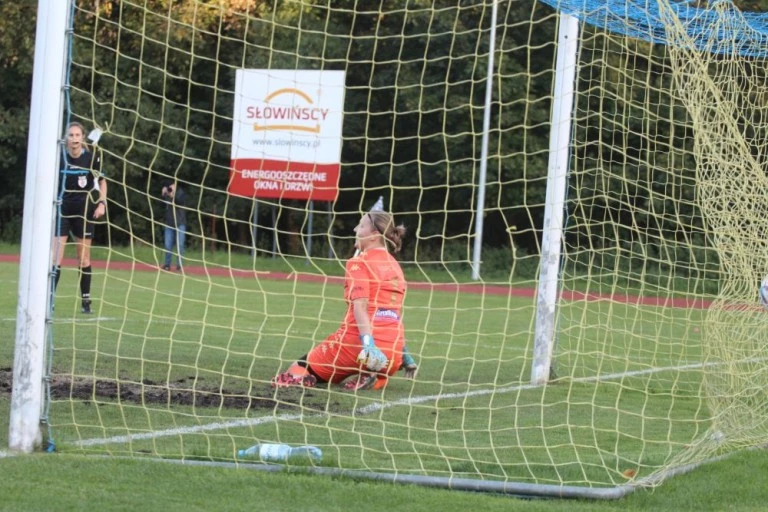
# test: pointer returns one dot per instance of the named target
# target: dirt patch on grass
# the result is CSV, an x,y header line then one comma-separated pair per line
x,y
184,392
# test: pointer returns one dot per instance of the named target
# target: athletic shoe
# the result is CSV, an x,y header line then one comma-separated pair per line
x,y
86,307
166,267
365,381
286,379
178,269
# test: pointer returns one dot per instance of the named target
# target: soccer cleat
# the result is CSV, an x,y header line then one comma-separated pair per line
x,y
365,381
287,379
179,269
166,267
86,306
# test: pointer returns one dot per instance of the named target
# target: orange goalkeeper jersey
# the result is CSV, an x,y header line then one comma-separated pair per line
x,y
376,275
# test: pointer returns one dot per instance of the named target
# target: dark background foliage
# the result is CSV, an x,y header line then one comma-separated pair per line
x,y
159,76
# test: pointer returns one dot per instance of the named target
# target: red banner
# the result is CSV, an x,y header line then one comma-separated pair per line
x,y
253,177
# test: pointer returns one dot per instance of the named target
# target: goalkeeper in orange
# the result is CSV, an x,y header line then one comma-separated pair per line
x,y
369,346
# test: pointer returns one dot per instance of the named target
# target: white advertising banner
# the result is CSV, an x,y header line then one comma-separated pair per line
x,y
286,134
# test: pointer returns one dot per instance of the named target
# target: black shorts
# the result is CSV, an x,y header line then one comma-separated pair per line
x,y
75,219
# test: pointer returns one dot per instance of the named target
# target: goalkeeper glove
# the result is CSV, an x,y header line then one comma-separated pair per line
x,y
373,358
409,364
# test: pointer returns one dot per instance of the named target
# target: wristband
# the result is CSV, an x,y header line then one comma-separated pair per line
x,y
367,340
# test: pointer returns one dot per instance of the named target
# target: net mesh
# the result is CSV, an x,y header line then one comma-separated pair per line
x,y
724,93
658,356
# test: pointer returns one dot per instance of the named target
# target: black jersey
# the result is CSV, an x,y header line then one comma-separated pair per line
x,y
79,175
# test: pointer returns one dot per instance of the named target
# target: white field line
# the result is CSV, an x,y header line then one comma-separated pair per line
x,y
84,320
89,319
368,409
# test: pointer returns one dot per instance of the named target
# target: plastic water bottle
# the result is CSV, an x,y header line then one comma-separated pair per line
x,y
281,452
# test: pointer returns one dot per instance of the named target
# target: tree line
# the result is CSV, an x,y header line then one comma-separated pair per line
x,y
159,76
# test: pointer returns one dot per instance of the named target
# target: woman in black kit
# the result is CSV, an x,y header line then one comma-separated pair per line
x,y
80,176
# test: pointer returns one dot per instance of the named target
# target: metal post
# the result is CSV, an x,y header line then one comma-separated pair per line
x,y
331,252
274,232
309,228
480,211
255,227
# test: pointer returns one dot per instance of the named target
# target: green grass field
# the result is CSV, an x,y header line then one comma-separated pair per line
x,y
190,359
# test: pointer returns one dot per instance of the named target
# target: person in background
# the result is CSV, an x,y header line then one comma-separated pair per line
x,y
175,233
369,345
83,194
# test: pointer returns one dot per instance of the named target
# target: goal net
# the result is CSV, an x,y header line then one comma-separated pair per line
x,y
658,354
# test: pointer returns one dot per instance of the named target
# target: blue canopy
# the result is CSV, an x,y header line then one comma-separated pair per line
x,y
721,29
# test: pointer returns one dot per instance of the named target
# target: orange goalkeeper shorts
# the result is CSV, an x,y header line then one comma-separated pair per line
x,y
335,358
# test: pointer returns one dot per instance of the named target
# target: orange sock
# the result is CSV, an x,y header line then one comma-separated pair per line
x,y
381,381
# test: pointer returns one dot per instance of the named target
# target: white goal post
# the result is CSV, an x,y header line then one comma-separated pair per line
x,y
35,262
